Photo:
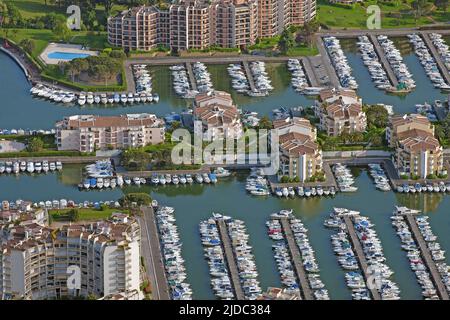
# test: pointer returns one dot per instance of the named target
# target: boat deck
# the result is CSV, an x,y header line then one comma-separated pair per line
x,y
437,57
231,261
191,76
426,255
386,65
361,256
330,70
310,75
306,292
249,76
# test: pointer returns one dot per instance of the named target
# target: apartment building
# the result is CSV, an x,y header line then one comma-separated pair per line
x,y
401,125
199,24
340,111
417,151
37,262
300,155
87,133
216,116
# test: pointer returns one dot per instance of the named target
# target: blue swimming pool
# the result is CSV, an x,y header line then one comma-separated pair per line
x,y
66,55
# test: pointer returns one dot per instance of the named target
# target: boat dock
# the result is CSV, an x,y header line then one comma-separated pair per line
x,y
383,60
361,256
327,64
306,292
310,75
426,255
231,261
437,57
151,252
191,76
249,75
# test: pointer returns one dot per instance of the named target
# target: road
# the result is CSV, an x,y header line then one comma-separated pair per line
x,y
151,251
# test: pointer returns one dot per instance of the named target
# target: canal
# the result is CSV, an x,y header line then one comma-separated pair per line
x,y
197,202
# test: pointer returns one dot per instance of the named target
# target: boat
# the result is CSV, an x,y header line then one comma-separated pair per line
x,y
221,172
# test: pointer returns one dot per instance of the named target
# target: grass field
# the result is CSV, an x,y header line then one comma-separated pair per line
x,y
395,14
87,214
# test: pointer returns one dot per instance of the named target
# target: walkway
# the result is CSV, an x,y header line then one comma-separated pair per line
x,y
191,76
437,57
310,75
231,261
297,260
151,252
426,255
382,56
361,257
249,74
333,78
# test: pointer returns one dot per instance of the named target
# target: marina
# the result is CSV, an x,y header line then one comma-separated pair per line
x,y
403,214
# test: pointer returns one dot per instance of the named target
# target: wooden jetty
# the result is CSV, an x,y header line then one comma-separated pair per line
x,y
306,292
361,256
191,76
437,57
426,255
249,75
385,63
231,261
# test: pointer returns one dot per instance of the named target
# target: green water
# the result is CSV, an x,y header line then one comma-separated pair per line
x,y
197,202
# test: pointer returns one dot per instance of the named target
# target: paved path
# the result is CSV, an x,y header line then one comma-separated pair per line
x,y
191,76
361,256
437,57
333,78
151,251
311,76
382,56
231,261
249,74
429,262
87,159
297,260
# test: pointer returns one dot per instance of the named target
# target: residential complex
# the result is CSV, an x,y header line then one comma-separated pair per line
x,y
216,116
199,24
87,133
417,152
300,155
36,260
340,111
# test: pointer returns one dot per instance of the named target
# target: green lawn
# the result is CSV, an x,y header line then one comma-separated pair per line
x,y
48,139
303,51
395,14
35,8
87,214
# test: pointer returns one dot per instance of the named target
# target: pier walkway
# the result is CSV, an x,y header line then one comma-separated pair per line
x,y
437,57
191,76
330,70
429,262
249,74
231,261
151,252
361,256
310,75
382,56
306,292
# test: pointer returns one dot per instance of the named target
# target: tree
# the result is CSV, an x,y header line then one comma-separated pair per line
x,y
286,41
27,45
442,4
73,215
139,198
35,145
265,123
419,7
62,31
377,116
135,159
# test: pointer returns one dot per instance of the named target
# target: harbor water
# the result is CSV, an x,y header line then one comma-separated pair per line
x,y
197,202
20,110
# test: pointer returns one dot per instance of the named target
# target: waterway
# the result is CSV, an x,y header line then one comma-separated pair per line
x,y
197,202
18,109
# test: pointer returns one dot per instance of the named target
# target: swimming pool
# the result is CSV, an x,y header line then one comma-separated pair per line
x,y
66,55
